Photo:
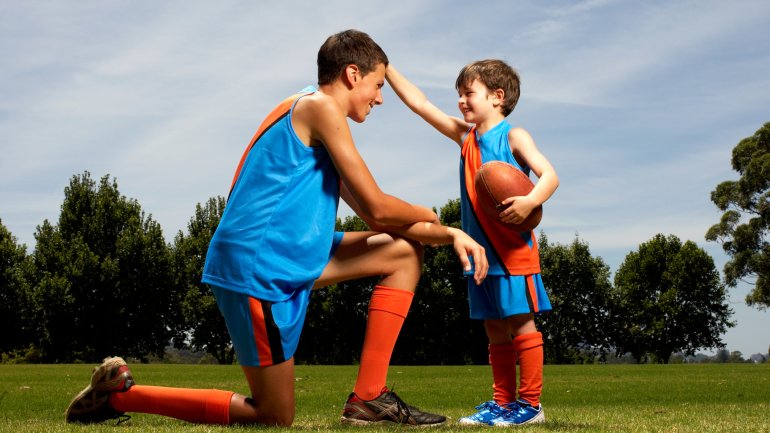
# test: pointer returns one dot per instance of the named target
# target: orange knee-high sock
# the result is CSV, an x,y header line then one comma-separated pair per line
x,y
388,308
203,406
502,358
530,350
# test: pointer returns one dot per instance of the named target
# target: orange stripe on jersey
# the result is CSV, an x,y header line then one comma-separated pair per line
x,y
260,332
509,246
277,114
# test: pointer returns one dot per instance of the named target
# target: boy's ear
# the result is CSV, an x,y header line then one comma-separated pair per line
x,y
499,95
351,75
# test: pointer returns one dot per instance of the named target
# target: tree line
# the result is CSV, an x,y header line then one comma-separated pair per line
x,y
103,281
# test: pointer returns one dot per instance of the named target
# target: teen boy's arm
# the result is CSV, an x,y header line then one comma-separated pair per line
x,y
322,119
434,234
453,127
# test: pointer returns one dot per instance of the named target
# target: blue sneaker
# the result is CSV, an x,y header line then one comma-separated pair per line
x,y
487,411
520,413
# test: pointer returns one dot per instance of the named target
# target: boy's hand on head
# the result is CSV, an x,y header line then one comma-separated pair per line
x,y
518,209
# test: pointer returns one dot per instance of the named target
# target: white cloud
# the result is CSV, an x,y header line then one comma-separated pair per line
x,y
636,105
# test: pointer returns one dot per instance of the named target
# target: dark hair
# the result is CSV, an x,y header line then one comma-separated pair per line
x,y
495,74
346,48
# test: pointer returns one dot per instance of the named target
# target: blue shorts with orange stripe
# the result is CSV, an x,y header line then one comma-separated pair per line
x,y
263,332
501,296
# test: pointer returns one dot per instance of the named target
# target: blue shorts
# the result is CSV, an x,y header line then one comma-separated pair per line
x,y
499,297
263,332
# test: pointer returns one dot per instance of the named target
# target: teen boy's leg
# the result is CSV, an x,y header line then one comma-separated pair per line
x,y
366,254
272,387
399,262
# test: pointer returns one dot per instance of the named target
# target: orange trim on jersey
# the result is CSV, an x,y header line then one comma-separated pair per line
x,y
278,112
509,246
260,332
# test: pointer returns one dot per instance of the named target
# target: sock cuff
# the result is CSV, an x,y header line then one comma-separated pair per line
x,y
218,406
528,341
391,300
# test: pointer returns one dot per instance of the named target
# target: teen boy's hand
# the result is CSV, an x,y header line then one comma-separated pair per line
x,y
464,247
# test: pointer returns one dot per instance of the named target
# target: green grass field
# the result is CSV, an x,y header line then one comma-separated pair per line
x,y
602,398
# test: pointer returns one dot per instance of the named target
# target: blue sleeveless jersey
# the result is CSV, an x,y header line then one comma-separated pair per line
x,y
520,250
277,229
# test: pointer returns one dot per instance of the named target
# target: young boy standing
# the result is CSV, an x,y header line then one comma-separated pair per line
x,y
513,292
276,242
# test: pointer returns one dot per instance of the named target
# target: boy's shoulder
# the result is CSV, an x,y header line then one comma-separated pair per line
x,y
319,102
316,106
517,133
316,112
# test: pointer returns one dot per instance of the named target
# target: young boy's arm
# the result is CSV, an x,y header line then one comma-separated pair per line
x,y
453,127
524,149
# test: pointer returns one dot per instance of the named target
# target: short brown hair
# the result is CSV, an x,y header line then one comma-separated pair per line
x,y
495,74
345,48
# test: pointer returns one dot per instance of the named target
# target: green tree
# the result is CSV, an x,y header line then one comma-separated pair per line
x,y
670,299
203,323
722,356
744,230
736,356
15,312
104,278
580,292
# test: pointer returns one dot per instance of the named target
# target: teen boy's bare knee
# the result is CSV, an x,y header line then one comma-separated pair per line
x,y
400,261
246,411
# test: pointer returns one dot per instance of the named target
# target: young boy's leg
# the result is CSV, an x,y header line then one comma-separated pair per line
x,y
503,360
528,344
529,347
399,262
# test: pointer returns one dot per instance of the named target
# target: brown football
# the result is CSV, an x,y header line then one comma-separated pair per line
x,y
497,180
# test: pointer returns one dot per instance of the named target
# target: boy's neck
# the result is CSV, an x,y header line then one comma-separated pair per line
x,y
336,91
489,123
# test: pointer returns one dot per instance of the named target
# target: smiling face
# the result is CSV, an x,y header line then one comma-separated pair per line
x,y
367,92
477,103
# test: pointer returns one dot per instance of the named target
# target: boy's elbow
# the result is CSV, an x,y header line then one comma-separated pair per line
x,y
372,214
378,215
383,215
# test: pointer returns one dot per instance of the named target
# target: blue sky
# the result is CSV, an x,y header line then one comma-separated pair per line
x,y
637,104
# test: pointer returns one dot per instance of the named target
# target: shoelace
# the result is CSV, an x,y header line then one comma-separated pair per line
x,y
401,406
515,411
122,418
489,405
